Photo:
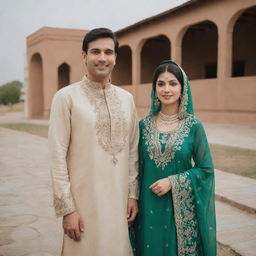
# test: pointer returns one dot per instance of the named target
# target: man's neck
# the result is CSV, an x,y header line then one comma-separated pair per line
x,y
102,81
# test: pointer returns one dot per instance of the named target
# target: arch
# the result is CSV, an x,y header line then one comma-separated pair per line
x,y
122,73
153,52
244,44
36,95
63,75
199,50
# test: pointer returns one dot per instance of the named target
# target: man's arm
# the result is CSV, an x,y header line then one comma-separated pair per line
x,y
132,208
59,138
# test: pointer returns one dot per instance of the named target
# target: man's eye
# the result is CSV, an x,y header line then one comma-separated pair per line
x,y
94,51
109,52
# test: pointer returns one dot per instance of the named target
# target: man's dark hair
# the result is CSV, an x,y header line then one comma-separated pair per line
x,y
97,33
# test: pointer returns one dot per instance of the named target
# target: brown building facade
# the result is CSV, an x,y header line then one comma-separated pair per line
x,y
214,41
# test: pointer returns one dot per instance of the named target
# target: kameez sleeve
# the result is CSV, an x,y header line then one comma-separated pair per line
x,y
133,154
193,199
59,138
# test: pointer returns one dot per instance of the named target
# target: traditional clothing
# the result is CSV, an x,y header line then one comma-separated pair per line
x,y
181,222
93,138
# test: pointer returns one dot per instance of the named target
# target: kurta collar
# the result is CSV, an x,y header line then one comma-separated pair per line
x,y
94,85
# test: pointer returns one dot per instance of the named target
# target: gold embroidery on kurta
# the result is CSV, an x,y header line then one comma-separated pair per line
x,y
172,141
63,204
111,125
185,215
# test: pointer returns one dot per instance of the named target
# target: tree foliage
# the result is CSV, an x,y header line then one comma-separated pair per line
x,y
10,92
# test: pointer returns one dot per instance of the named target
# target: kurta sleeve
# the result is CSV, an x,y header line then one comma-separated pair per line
x,y
59,138
133,154
193,199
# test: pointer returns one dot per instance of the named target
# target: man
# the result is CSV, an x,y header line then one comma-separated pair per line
x,y
93,137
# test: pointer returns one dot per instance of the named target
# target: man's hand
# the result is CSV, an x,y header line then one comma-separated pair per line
x,y
132,210
73,225
161,186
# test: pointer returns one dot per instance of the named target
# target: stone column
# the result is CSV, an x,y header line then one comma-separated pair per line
x,y
136,69
224,53
176,50
50,82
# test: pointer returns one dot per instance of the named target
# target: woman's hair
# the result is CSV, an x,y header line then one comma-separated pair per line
x,y
97,33
168,66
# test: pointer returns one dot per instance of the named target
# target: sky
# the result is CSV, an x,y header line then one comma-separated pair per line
x,y
20,18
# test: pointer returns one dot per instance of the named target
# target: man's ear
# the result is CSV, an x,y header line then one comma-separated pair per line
x,y
84,56
115,59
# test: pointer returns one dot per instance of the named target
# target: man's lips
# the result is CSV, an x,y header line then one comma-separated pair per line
x,y
100,66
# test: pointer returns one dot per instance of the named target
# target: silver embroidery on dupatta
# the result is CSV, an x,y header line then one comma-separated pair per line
x,y
111,125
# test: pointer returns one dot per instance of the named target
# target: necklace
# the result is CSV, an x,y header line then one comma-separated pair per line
x,y
168,119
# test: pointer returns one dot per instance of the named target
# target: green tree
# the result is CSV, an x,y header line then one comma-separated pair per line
x,y
10,92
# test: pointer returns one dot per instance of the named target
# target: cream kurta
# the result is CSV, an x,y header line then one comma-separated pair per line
x,y
93,138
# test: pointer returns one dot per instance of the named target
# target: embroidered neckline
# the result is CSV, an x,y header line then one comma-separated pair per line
x,y
94,85
172,141
162,132
110,124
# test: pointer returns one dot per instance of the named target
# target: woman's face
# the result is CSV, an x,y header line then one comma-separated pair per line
x,y
168,89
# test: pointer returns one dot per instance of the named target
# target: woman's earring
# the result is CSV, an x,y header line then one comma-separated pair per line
x,y
157,102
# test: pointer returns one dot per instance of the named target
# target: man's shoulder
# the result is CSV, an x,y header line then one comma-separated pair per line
x,y
69,89
123,92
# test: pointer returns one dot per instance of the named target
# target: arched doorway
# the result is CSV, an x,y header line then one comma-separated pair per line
x,y
63,75
35,93
244,44
154,51
199,50
122,73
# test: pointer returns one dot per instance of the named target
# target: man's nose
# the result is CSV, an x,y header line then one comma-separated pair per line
x,y
102,56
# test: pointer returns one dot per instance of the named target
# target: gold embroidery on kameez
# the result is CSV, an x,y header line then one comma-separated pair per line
x,y
111,125
172,140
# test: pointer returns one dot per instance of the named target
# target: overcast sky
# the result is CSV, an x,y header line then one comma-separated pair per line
x,y
20,18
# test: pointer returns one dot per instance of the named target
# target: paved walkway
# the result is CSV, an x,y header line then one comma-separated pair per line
x,y
27,222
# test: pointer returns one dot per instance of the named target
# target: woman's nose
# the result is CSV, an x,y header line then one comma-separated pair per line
x,y
167,88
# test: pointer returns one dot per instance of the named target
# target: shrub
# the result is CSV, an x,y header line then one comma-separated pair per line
x,y
10,93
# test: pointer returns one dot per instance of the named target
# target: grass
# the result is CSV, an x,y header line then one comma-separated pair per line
x,y
35,129
226,158
234,160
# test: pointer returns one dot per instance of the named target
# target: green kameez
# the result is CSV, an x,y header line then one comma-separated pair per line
x,y
181,222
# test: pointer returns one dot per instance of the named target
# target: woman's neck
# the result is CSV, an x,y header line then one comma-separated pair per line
x,y
170,109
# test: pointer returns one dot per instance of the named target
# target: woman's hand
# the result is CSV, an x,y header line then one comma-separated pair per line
x,y
161,186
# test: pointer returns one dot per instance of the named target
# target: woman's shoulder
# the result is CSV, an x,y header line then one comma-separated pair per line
x,y
193,123
145,120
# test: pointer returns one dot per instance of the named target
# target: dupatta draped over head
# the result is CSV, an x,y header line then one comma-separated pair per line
x,y
181,222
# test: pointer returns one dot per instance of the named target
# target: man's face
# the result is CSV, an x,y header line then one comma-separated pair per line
x,y
100,59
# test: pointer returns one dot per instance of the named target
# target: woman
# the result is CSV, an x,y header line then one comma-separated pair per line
x,y
176,205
